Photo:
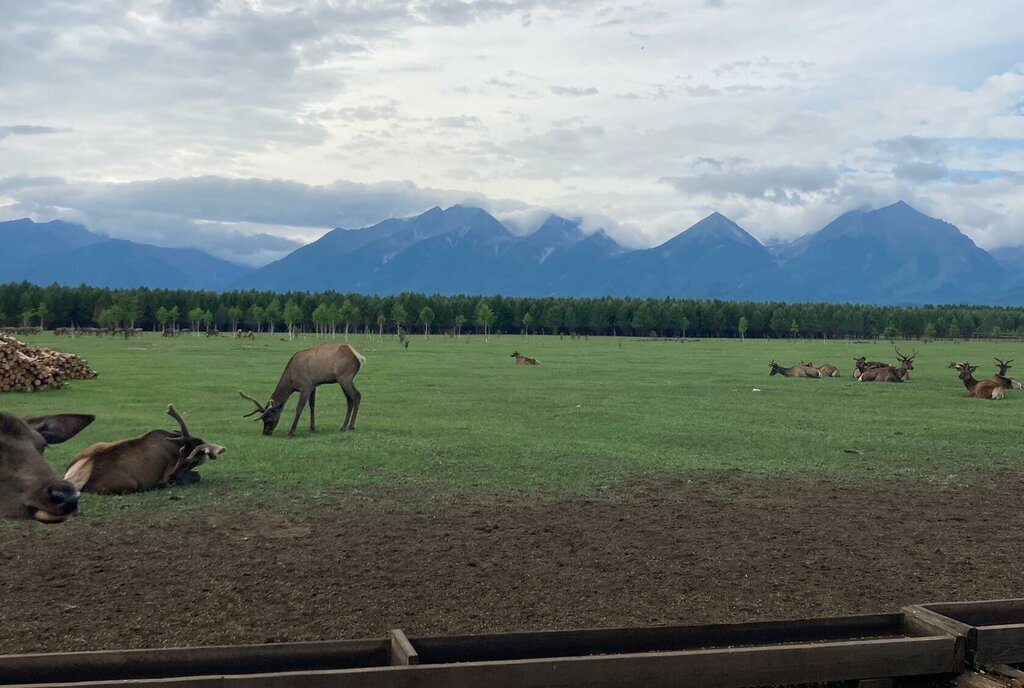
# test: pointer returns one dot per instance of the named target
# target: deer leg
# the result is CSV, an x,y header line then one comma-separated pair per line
x,y
353,397
312,410
303,398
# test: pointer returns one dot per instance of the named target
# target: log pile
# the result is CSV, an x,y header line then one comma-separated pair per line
x,y
31,368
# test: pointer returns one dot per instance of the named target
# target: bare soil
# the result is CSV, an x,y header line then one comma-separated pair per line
x,y
355,563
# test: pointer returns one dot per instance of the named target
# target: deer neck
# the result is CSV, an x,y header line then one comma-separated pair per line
x,y
283,390
969,382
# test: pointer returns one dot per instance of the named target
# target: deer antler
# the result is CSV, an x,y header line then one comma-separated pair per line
x,y
260,408
1004,365
173,413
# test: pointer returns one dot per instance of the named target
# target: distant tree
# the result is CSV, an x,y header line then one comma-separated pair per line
x,y
26,316
42,312
460,322
347,314
741,327
207,319
173,316
997,331
107,318
273,314
485,318
162,316
890,331
234,316
255,317
426,317
794,329
381,321
954,330
398,316
3,316
320,318
292,316
527,321
195,317
930,331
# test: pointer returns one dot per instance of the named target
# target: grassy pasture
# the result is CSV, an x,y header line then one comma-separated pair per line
x,y
458,415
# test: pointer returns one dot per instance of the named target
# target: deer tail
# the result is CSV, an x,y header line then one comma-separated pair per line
x,y
359,357
79,472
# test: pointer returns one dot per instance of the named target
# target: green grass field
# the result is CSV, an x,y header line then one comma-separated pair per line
x,y
458,415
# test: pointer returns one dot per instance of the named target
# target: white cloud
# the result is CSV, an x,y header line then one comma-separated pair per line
x,y
239,117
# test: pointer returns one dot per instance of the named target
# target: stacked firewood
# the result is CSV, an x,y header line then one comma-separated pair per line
x,y
30,368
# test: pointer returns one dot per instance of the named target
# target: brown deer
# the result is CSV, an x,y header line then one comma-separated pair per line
x,y
828,370
794,371
860,364
889,373
29,489
985,389
155,459
1001,377
524,360
306,370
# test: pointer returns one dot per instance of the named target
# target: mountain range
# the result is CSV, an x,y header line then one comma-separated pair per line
x,y
893,255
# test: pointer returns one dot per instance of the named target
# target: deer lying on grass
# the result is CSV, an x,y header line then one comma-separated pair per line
x,y
890,374
860,364
827,370
1001,377
524,360
985,389
28,486
306,370
801,370
155,459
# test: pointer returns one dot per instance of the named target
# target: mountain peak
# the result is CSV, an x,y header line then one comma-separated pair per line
x,y
714,229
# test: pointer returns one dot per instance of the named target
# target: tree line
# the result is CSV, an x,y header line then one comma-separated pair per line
x,y
336,313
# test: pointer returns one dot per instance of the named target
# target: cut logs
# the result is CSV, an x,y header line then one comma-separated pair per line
x,y
27,368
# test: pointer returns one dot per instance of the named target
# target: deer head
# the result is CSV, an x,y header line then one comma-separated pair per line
x,y
269,414
28,486
776,368
1004,366
967,371
193,451
515,354
907,361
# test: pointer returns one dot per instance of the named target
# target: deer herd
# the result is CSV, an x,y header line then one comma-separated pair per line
x,y
30,489
876,371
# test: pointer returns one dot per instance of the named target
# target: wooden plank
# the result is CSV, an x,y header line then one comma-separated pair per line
x,y
574,643
720,668
1000,644
402,651
920,621
156,663
982,612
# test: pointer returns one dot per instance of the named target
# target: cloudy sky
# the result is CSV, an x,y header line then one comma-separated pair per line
x,y
241,126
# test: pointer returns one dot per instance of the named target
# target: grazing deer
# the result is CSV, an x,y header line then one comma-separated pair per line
x,y
985,389
306,370
524,360
1001,377
794,371
155,459
827,370
890,374
28,486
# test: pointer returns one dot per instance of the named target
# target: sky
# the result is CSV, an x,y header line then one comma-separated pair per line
x,y
246,126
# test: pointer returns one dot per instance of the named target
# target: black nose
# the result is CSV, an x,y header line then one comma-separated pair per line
x,y
64,497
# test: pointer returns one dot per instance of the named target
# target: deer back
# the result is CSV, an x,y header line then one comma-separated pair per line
x,y
140,463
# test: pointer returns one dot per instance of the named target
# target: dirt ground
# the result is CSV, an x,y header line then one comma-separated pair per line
x,y
709,548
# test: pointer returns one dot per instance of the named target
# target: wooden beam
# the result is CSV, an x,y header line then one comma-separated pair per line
x,y
168,662
402,651
720,668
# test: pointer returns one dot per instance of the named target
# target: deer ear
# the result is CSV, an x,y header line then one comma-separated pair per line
x,y
60,428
